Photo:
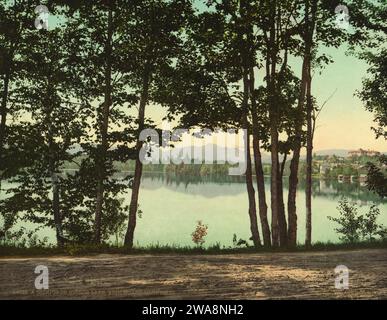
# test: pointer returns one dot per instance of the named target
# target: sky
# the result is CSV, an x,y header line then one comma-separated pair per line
x,y
344,123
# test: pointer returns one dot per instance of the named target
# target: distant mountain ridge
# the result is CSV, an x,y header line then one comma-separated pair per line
x,y
331,152
266,157
339,152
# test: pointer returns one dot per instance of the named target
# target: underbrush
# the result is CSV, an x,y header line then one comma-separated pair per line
x,y
15,249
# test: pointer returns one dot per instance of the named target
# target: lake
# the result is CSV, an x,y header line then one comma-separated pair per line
x,y
172,205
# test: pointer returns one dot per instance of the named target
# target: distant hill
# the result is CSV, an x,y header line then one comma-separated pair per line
x,y
266,157
331,152
336,152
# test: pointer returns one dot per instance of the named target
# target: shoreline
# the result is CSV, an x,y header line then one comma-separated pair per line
x,y
82,250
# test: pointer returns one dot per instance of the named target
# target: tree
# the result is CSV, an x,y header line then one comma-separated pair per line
x,y
349,220
377,177
258,129
38,147
213,81
278,29
15,23
373,93
98,33
309,134
318,29
154,39
355,226
369,22
370,227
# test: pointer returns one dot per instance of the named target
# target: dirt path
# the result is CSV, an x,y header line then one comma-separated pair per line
x,y
244,276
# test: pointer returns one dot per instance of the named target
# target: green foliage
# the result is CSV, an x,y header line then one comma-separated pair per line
x,y
373,93
349,220
22,238
370,227
239,243
13,249
377,177
353,226
198,169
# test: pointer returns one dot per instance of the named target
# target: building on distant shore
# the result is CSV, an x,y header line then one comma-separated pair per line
x,y
324,168
362,152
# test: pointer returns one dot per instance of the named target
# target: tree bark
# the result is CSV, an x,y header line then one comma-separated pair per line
x,y
309,142
293,178
55,198
53,164
138,167
251,195
273,117
249,177
258,166
281,210
309,159
3,112
246,64
101,160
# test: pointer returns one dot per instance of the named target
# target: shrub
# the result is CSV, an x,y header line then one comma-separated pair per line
x,y
349,220
199,234
354,226
370,227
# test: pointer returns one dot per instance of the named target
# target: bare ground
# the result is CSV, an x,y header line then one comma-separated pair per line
x,y
237,276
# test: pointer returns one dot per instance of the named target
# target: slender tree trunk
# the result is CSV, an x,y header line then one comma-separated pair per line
x,y
101,161
52,166
309,159
294,164
310,133
56,200
249,175
138,167
3,113
246,63
274,187
310,15
273,116
258,167
261,193
292,209
281,210
251,195
56,209
99,205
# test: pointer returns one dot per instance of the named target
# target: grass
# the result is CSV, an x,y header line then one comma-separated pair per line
x,y
89,249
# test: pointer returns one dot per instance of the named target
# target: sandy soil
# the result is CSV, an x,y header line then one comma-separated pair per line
x,y
242,276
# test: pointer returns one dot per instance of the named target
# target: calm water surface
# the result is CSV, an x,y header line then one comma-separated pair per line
x,y
172,206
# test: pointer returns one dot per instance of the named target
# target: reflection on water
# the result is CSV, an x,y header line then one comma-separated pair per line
x,y
171,206
322,188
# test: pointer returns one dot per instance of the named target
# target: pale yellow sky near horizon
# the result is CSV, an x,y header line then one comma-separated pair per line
x,y
344,123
